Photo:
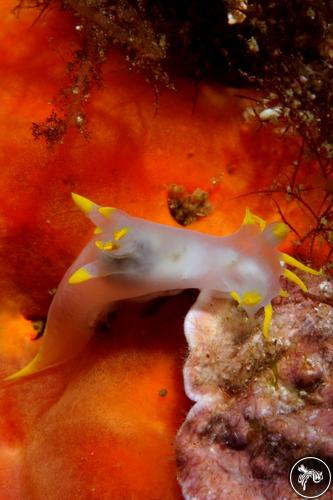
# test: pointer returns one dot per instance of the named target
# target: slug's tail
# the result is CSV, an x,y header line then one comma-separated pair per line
x,y
39,363
36,365
54,350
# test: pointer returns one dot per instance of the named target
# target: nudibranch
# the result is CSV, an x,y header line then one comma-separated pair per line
x,y
130,258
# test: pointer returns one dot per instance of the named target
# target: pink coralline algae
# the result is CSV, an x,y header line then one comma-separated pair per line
x,y
259,404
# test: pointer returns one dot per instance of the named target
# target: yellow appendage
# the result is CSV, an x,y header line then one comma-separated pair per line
x,y
121,233
296,263
280,231
250,218
108,245
83,203
251,298
79,276
236,296
268,313
295,279
106,211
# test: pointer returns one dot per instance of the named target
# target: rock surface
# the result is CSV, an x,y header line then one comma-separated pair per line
x,y
260,405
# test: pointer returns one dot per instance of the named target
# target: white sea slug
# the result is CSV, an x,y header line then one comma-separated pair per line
x,y
129,258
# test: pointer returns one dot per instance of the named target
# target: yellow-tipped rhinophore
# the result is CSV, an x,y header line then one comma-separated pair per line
x,y
83,203
296,263
283,293
80,276
295,279
268,313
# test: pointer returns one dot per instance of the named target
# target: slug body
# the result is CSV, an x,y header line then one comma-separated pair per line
x,y
129,258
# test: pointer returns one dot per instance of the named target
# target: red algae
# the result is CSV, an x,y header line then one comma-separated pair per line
x,y
98,427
